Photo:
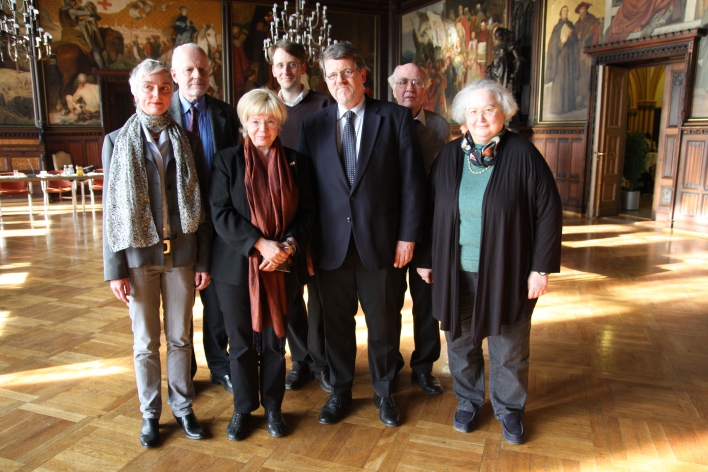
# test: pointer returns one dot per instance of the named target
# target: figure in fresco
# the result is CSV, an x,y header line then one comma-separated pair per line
x,y
463,26
79,26
240,61
260,33
84,104
184,27
588,28
482,47
562,64
644,16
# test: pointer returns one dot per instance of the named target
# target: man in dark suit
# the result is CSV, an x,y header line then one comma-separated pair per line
x,y
217,125
410,83
369,179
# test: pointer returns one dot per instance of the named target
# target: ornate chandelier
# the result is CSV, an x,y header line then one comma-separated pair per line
x,y
34,45
309,31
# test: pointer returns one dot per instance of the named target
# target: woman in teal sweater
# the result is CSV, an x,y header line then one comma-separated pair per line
x,y
495,222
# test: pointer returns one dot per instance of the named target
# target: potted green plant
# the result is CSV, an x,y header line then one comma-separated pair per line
x,y
635,157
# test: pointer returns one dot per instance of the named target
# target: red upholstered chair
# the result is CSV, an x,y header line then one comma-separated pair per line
x,y
58,187
11,189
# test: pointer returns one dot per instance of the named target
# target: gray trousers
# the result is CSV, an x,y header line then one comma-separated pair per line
x,y
508,361
175,287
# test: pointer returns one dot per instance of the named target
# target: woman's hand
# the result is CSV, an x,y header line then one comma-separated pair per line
x,y
538,284
426,275
272,252
121,289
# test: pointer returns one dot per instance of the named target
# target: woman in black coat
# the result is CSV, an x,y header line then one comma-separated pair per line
x,y
263,211
495,222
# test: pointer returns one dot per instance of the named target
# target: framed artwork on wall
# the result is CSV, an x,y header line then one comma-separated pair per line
x,y
16,93
452,40
699,106
118,35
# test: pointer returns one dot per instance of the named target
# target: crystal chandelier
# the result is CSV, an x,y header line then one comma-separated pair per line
x,y
310,31
34,45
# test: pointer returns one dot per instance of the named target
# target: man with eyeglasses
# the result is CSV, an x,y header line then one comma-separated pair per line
x,y
305,332
217,125
369,178
410,84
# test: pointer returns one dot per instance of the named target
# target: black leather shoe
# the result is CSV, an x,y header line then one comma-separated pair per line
x,y
224,381
296,379
428,383
334,409
276,423
150,432
237,428
323,377
191,426
388,411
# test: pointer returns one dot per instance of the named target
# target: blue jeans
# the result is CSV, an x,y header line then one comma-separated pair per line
x,y
508,359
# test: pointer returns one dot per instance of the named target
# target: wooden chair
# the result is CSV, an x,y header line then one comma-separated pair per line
x,y
61,159
95,184
12,189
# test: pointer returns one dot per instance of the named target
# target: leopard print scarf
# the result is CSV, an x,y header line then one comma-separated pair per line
x,y
129,221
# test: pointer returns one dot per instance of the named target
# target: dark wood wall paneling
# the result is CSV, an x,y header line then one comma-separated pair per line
x,y
564,150
83,145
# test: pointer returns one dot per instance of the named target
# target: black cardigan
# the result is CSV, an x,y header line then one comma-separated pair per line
x,y
234,234
521,232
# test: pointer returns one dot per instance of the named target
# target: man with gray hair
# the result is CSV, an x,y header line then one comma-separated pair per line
x,y
369,177
217,124
410,84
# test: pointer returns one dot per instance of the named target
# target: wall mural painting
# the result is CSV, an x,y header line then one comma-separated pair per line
x,y
453,41
250,25
699,108
119,34
16,101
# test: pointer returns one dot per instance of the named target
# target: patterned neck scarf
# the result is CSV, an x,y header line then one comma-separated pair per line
x,y
484,157
129,221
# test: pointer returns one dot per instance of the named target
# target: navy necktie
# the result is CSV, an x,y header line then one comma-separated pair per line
x,y
193,120
349,147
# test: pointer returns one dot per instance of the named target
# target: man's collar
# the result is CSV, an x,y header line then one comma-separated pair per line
x,y
201,104
421,116
299,98
357,109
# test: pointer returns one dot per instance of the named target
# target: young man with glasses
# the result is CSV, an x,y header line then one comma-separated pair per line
x,y
369,178
409,83
305,331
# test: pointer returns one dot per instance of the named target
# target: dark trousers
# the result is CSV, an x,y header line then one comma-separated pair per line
x,y
215,339
306,338
340,291
235,304
426,329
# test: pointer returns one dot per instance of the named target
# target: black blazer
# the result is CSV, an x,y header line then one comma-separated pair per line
x,y
234,234
385,203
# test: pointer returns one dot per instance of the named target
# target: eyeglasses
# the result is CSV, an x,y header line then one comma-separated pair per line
x,y
403,83
289,65
347,73
473,113
255,124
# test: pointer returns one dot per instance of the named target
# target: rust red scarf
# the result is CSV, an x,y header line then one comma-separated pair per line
x,y
272,199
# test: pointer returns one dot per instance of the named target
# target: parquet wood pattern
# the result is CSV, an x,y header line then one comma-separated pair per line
x,y
618,378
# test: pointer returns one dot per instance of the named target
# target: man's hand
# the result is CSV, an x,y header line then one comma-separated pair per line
x,y
121,289
201,280
404,254
426,275
538,284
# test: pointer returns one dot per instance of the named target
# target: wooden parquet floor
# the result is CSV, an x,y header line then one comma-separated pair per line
x,y
618,379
